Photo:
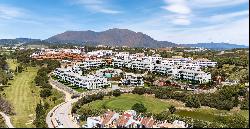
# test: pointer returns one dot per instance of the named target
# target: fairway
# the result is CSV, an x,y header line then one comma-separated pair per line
x,y
126,101
12,64
24,96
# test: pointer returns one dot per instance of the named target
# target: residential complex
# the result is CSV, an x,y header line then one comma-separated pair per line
x,y
129,119
177,67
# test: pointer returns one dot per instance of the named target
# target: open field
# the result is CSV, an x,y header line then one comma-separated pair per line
x,y
12,64
126,101
24,96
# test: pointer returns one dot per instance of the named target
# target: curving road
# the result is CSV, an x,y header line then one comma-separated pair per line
x,y
60,116
7,120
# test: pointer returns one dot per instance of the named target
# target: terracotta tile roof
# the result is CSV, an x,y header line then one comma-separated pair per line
x,y
150,123
107,116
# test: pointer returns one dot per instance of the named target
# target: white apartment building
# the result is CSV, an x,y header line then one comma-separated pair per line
x,y
87,64
100,53
132,79
91,82
205,63
193,74
88,82
163,68
118,62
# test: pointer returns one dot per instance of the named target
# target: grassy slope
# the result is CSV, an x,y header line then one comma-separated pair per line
x,y
24,96
126,101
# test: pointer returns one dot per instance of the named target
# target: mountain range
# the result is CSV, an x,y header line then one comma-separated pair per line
x,y
116,37
111,37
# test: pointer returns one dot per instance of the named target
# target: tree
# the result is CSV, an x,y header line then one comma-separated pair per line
x,y
172,109
192,101
45,93
54,99
139,91
235,121
40,116
139,108
116,93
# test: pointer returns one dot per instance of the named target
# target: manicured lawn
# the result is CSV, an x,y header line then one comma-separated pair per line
x,y
24,96
12,63
126,101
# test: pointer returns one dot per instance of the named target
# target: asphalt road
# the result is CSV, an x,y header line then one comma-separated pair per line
x,y
7,120
60,116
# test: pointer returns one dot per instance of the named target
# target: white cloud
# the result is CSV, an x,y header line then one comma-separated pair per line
x,y
235,32
96,6
9,12
181,9
216,3
181,20
184,8
232,31
177,6
228,16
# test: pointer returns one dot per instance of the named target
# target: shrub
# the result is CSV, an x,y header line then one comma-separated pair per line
x,y
139,107
116,93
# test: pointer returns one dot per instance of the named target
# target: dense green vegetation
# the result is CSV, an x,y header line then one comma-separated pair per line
x,y
225,98
5,76
42,80
229,121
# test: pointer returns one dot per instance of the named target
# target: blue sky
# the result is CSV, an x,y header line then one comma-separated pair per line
x,y
179,21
